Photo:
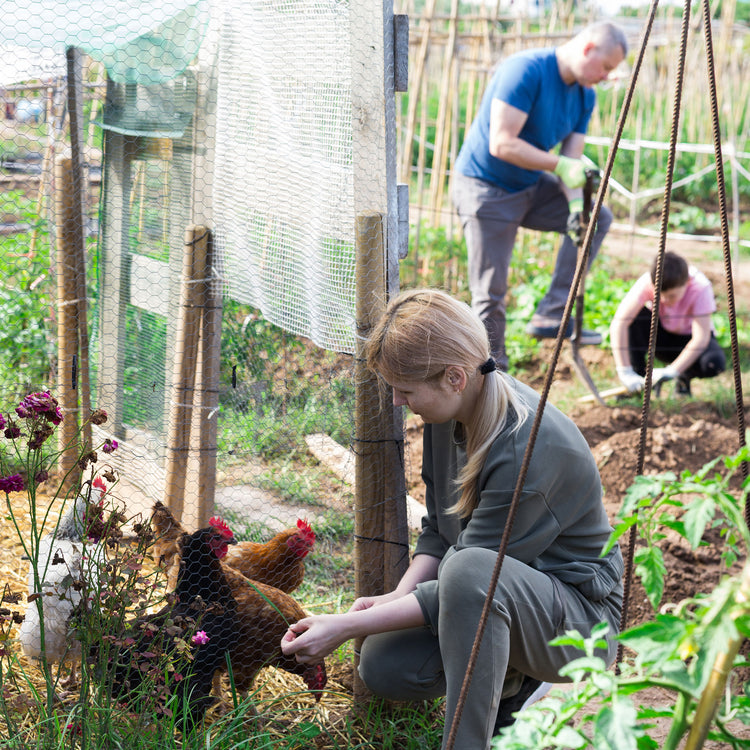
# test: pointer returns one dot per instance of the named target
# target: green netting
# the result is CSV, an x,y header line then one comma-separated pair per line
x,y
138,41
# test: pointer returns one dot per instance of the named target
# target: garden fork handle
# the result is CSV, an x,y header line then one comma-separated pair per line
x,y
593,178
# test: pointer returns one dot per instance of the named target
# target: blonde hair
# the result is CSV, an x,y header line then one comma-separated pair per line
x,y
421,333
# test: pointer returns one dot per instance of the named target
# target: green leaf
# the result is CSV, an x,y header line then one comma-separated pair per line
x,y
615,727
655,641
569,737
651,569
643,491
619,530
697,516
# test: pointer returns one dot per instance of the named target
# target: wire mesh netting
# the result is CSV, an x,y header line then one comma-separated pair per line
x,y
284,143
179,250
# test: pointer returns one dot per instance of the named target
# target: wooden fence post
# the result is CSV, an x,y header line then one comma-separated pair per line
x,y
380,528
184,368
207,389
66,217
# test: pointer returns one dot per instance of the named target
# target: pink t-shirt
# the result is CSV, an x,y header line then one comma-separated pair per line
x,y
698,300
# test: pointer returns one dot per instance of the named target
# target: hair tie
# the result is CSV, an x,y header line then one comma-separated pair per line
x,y
489,366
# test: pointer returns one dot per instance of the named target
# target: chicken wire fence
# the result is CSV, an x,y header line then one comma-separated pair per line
x,y
206,162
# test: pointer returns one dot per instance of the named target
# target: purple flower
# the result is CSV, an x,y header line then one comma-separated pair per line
x,y
41,476
12,483
12,431
41,404
2,422
200,638
110,446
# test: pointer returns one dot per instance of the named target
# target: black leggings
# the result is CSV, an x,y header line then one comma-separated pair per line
x,y
668,347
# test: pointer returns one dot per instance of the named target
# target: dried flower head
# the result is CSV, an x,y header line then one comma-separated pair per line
x,y
87,458
39,434
98,416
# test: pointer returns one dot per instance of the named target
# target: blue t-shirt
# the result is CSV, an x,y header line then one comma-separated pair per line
x,y
529,81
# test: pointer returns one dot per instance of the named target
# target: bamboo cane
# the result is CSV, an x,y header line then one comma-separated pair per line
x,y
419,71
436,179
709,700
636,175
421,158
75,117
47,168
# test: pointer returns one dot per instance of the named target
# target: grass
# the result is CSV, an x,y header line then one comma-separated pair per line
x,y
279,713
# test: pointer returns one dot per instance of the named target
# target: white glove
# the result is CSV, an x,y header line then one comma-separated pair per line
x,y
662,374
630,379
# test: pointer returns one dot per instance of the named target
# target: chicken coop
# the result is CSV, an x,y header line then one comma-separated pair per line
x,y
216,224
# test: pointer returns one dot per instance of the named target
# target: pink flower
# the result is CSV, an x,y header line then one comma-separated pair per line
x,y
2,422
200,638
12,483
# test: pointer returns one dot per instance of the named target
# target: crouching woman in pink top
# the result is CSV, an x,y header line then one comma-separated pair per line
x,y
685,337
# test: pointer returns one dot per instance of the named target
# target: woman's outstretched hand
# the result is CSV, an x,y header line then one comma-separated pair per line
x,y
313,638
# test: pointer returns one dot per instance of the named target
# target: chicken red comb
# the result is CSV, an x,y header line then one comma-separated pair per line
x,y
99,484
221,526
305,530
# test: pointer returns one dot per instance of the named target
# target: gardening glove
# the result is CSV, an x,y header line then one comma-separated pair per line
x,y
575,228
662,374
630,379
571,171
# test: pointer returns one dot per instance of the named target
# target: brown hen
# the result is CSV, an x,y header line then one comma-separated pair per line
x,y
265,613
264,610
278,562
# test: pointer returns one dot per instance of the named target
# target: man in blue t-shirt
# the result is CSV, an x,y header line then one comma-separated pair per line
x,y
506,175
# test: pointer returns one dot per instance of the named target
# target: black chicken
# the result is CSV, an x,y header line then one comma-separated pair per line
x,y
195,631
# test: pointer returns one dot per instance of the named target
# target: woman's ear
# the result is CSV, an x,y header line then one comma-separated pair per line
x,y
456,377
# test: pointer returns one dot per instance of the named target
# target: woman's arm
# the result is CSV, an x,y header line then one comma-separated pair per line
x,y
422,568
313,638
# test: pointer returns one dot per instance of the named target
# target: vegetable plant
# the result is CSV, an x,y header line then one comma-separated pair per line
x,y
689,649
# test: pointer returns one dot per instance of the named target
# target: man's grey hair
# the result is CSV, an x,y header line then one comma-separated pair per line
x,y
606,35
